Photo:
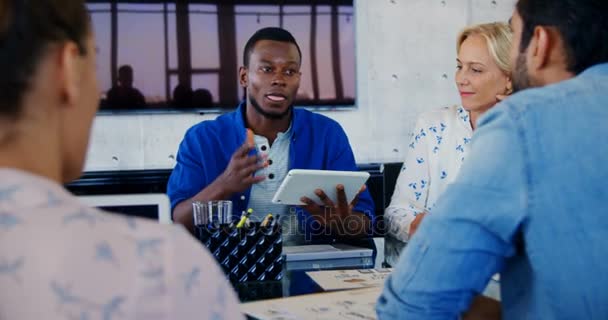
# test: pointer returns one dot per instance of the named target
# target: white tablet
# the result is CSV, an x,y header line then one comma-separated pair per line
x,y
302,183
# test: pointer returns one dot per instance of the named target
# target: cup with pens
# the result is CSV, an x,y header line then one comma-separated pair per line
x,y
246,250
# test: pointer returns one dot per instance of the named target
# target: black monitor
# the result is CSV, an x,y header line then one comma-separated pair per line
x,y
185,55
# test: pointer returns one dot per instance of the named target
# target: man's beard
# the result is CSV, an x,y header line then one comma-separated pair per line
x,y
269,115
521,79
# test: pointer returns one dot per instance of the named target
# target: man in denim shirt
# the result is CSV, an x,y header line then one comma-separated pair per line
x,y
530,202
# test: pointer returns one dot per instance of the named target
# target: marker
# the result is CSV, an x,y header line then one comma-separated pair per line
x,y
251,142
244,218
250,138
250,135
267,221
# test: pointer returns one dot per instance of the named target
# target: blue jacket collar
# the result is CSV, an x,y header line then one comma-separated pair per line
x,y
239,119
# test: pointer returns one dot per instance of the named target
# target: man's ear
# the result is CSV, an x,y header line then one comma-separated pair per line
x,y
540,48
68,65
243,76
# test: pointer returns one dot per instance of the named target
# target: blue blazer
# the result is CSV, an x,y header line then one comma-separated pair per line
x,y
317,142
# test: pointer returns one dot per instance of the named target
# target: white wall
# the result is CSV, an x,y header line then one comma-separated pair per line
x,y
405,64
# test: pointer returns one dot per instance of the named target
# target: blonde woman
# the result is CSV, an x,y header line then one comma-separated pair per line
x,y
440,139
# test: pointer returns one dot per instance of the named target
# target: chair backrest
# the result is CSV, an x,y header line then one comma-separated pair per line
x,y
132,183
376,187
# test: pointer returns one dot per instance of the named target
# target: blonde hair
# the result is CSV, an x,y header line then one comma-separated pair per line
x,y
498,36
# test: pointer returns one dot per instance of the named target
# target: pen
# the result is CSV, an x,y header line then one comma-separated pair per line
x,y
244,218
267,221
251,142
250,138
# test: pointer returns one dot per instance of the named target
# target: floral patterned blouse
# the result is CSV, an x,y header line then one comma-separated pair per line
x,y
435,153
62,260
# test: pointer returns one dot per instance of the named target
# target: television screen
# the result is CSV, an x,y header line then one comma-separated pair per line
x,y
173,55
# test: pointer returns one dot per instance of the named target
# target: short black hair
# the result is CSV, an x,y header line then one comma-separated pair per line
x,y
582,24
270,33
125,68
27,28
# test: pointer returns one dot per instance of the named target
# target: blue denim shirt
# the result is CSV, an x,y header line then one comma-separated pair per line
x,y
317,142
531,202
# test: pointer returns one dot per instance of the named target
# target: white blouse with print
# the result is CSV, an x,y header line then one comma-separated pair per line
x,y
62,260
435,153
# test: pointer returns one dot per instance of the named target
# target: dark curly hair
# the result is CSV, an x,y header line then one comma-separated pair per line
x,y
27,28
582,24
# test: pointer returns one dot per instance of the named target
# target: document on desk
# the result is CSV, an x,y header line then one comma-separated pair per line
x,y
358,304
350,279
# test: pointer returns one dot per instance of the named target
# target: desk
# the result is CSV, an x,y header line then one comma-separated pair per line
x,y
297,283
356,304
294,283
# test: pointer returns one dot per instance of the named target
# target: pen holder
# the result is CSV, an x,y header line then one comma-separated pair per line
x,y
252,253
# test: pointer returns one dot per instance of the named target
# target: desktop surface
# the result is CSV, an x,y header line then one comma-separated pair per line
x,y
295,281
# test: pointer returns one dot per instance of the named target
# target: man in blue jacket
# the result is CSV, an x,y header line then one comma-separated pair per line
x,y
215,161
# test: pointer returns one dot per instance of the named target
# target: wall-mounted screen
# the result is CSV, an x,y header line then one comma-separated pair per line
x,y
185,55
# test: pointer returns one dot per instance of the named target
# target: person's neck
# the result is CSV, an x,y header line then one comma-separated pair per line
x,y
266,127
555,69
33,151
473,116
553,75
